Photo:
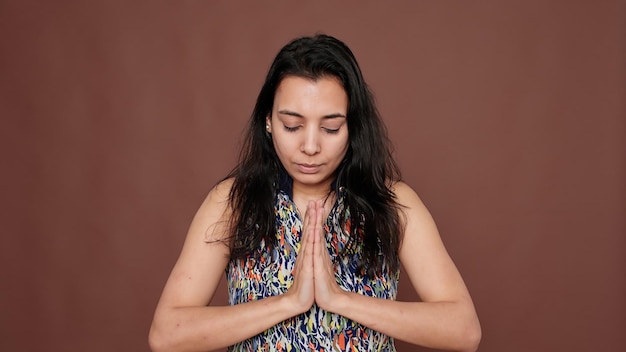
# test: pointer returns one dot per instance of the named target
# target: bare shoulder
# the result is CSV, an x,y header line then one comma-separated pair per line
x,y
417,220
422,251
204,255
214,212
406,196
220,193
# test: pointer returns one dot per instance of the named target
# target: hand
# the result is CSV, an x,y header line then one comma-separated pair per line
x,y
314,275
302,290
326,287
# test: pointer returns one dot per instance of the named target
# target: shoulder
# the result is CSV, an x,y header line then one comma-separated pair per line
x,y
220,193
417,220
405,195
215,210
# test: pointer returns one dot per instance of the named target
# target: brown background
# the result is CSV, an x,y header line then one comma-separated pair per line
x,y
117,118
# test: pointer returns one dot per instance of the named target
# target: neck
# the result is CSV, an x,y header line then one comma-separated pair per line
x,y
301,195
311,192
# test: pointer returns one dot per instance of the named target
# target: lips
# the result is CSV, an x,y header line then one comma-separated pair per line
x,y
308,168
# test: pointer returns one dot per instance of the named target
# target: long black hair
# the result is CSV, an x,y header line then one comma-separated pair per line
x,y
366,172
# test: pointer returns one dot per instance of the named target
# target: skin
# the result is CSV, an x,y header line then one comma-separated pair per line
x,y
310,136
310,133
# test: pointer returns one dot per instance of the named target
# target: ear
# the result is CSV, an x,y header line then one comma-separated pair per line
x,y
268,124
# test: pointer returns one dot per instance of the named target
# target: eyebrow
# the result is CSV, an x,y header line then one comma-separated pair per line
x,y
293,113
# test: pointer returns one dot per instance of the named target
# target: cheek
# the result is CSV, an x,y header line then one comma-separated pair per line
x,y
283,144
340,147
345,141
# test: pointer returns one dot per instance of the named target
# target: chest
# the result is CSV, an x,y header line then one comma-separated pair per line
x,y
271,272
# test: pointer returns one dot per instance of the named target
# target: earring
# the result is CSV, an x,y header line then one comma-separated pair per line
x,y
267,128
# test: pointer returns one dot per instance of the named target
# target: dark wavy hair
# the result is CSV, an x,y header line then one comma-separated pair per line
x,y
366,172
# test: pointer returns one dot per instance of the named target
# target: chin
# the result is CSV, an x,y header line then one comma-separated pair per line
x,y
311,179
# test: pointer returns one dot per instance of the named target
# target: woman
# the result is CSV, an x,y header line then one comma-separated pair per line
x,y
311,228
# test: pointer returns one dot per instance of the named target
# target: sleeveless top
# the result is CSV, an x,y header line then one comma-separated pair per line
x,y
270,274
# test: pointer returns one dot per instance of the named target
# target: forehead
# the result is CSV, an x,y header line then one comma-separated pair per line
x,y
323,95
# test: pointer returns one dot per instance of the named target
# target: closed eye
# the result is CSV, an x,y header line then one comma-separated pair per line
x,y
291,129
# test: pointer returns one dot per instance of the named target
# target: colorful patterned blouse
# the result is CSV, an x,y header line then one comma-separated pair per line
x,y
316,330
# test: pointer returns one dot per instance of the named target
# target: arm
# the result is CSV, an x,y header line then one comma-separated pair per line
x,y
183,320
445,319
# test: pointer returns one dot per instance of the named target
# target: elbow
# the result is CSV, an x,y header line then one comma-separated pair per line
x,y
471,337
157,340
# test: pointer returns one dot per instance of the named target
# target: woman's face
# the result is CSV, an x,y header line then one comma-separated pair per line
x,y
309,129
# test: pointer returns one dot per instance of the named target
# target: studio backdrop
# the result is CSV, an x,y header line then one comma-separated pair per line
x,y
118,117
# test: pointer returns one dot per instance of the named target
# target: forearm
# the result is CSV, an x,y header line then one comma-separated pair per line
x,y
214,327
442,325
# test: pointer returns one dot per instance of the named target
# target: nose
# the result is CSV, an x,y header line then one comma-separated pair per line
x,y
311,142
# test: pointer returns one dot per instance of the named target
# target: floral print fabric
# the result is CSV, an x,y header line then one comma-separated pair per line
x,y
271,274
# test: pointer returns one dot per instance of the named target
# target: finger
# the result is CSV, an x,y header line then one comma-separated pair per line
x,y
322,256
305,221
311,219
319,205
307,235
306,224
319,244
303,267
